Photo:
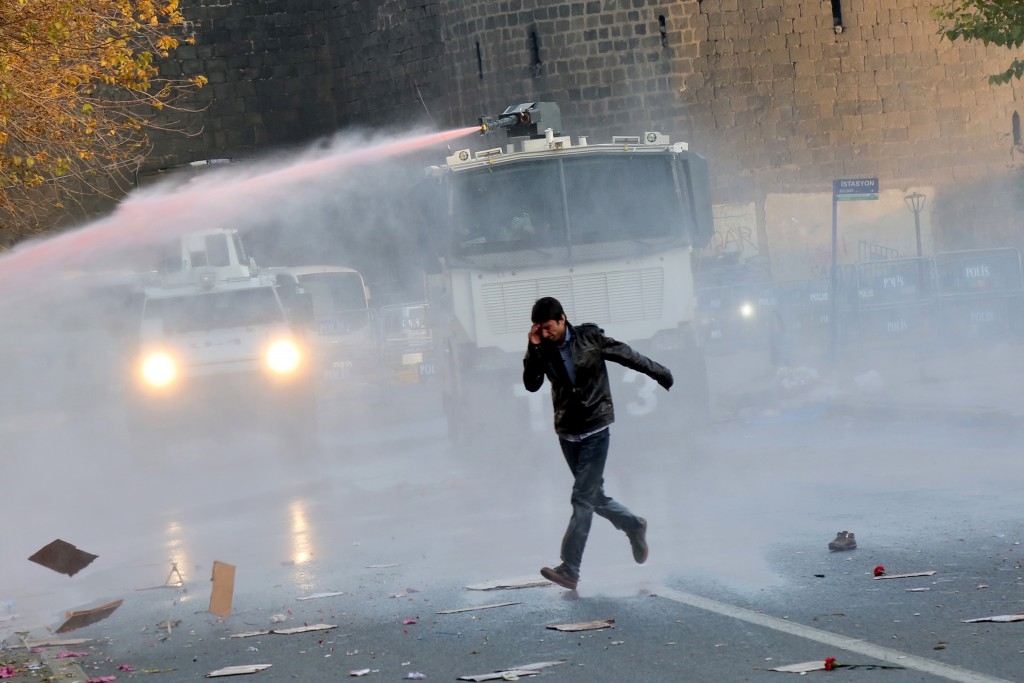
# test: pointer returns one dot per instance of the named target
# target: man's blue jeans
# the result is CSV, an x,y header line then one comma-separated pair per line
x,y
586,461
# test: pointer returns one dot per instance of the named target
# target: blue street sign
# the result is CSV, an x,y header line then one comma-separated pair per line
x,y
852,189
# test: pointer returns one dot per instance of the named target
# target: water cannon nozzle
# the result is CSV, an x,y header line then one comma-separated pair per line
x,y
489,124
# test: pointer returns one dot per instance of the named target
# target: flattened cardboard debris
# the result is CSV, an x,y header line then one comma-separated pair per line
x,y
285,631
62,557
314,596
584,625
236,670
478,607
223,579
509,584
1000,618
80,618
56,642
801,667
513,673
908,575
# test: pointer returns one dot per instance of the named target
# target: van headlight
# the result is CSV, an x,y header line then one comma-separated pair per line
x,y
158,369
283,357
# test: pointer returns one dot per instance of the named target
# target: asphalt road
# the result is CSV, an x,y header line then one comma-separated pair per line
x,y
739,578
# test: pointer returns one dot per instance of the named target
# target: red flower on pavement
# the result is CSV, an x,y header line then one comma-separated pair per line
x,y
879,570
830,662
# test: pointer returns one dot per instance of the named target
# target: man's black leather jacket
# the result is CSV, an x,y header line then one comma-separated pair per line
x,y
587,405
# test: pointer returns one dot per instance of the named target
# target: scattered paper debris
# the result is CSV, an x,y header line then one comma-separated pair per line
x,y
358,672
285,631
917,590
80,618
478,607
801,667
908,575
382,566
509,584
236,670
584,625
169,624
278,618
316,596
58,642
408,622
223,579
415,676
101,679
513,673
1000,618
62,557
828,664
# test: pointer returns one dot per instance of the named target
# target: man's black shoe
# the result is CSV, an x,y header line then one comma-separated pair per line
x,y
559,575
638,540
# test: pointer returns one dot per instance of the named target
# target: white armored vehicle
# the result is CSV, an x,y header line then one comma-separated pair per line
x,y
218,351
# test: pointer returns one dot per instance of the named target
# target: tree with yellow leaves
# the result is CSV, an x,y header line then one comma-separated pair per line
x,y
79,87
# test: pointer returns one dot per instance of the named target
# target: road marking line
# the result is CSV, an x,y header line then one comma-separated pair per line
x,y
885,654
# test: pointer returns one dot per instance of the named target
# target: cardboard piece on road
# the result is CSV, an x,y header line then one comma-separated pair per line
x,y
78,619
62,557
223,588
303,629
513,673
285,631
236,670
314,596
802,667
584,625
56,642
478,607
908,575
509,584
1000,618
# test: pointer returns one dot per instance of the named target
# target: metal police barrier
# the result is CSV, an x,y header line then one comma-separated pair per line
x,y
980,294
894,302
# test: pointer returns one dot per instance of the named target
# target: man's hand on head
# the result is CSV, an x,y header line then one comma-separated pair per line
x,y
534,335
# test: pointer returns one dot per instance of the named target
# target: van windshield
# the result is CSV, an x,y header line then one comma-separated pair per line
x,y
334,292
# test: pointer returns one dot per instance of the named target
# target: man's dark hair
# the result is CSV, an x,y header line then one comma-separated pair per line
x,y
545,309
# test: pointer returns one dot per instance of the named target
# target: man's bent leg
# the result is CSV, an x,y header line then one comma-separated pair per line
x,y
586,460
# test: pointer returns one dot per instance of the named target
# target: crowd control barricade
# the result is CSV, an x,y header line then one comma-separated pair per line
x,y
894,302
979,295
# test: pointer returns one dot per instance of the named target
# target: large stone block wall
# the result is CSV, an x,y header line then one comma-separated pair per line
x,y
770,91
285,72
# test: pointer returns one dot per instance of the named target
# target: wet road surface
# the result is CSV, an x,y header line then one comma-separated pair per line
x,y
739,579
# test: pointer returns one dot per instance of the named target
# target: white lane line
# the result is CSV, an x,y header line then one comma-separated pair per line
x,y
884,654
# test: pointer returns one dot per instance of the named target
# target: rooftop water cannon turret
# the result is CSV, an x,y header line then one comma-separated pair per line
x,y
529,119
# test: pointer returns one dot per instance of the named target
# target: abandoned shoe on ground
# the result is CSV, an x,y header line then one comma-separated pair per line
x,y
638,541
560,575
844,540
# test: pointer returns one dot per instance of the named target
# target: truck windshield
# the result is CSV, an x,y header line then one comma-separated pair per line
x,y
620,198
216,310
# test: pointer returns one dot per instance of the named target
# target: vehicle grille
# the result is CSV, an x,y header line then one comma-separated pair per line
x,y
602,298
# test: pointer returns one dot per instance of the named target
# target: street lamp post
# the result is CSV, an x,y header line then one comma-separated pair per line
x,y
915,202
